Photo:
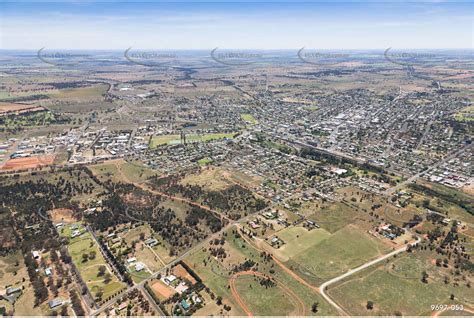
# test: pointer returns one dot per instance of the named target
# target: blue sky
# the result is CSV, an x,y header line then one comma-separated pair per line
x,y
236,25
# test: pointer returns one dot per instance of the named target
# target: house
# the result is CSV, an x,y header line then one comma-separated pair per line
x,y
36,254
48,271
169,279
131,260
56,302
139,267
11,294
122,306
181,288
253,225
13,290
446,221
196,299
151,242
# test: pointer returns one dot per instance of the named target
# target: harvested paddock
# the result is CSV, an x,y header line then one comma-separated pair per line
x,y
13,108
28,162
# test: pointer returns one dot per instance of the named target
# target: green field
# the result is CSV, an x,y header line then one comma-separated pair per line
x,y
343,250
135,172
175,139
299,239
105,171
216,276
393,293
263,300
205,161
82,92
332,217
89,269
249,118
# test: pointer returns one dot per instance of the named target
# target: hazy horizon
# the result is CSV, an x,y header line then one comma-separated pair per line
x,y
281,25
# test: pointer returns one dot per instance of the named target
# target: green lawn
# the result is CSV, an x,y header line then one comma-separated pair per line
x,y
89,269
249,118
204,161
163,140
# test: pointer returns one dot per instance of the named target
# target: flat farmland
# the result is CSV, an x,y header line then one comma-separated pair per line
x,y
297,240
291,297
332,216
271,301
343,250
93,92
210,179
28,162
14,108
391,292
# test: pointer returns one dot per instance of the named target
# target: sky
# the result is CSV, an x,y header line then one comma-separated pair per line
x,y
236,25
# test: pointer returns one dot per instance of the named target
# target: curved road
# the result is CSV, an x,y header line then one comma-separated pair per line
x,y
325,285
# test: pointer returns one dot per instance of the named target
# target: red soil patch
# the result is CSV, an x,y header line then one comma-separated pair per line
x,y
180,271
28,162
162,291
13,108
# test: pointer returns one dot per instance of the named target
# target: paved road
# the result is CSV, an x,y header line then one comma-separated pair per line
x,y
325,285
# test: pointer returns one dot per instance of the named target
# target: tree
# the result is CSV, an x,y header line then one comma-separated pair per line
x,y
219,300
102,270
64,311
424,277
107,278
314,307
85,257
370,305
99,294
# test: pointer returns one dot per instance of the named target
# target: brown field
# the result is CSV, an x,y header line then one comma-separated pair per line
x,y
161,290
62,216
180,271
13,108
28,163
469,189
